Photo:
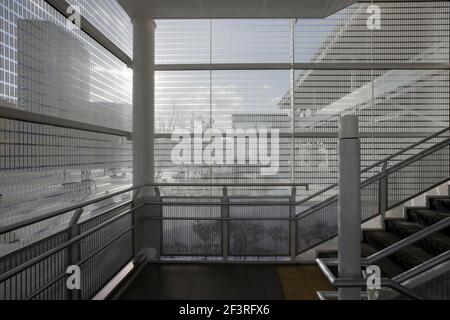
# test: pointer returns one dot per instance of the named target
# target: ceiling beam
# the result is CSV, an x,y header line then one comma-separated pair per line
x,y
232,9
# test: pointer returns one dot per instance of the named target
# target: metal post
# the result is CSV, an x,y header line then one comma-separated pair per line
x,y
74,251
292,225
349,205
159,224
383,195
225,214
133,221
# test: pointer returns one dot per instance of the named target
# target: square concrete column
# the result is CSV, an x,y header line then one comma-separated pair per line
x,y
349,205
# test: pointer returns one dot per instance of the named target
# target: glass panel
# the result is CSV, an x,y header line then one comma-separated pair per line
x,y
192,237
250,102
416,31
48,67
183,41
259,237
44,168
251,99
251,41
320,98
181,99
408,106
108,17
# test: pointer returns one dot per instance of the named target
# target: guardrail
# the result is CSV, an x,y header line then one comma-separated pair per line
x,y
361,283
397,283
387,189
100,245
227,226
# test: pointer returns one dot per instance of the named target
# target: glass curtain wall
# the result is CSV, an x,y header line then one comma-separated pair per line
x,y
297,76
51,67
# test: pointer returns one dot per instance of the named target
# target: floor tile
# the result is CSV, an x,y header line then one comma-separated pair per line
x,y
227,282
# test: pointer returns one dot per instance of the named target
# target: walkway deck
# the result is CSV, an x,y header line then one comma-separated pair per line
x,y
227,282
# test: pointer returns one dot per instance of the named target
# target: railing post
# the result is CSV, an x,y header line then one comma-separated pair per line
x,y
159,214
292,225
74,250
133,221
148,222
225,214
349,205
383,195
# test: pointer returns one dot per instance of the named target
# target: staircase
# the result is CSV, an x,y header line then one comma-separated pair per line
x,y
412,251
416,219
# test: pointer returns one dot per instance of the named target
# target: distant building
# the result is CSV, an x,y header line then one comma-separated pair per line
x,y
53,70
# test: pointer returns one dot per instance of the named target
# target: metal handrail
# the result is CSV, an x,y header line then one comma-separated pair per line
x,y
230,204
379,163
422,234
82,261
75,238
305,185
407,275
66,244
397,280
395,283
418,143
403,164
60,212
54,214
360,283
300,215
423,267
373,179
308,211
221,219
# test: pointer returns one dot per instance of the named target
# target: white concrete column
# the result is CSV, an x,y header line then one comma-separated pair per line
x,y
349,205
147,235
143,100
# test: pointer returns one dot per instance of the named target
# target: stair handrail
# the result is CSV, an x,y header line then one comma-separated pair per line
x,y
420,235
379,175
404,163
418,143
423,267
360,283
397,282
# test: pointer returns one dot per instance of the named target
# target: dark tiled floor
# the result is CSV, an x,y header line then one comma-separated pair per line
x,y
202,282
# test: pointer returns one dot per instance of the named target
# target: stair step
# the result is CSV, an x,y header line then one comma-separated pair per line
x,y
327,255
434,244
406,258
388,267
403,228
427,217
431,201
442,205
